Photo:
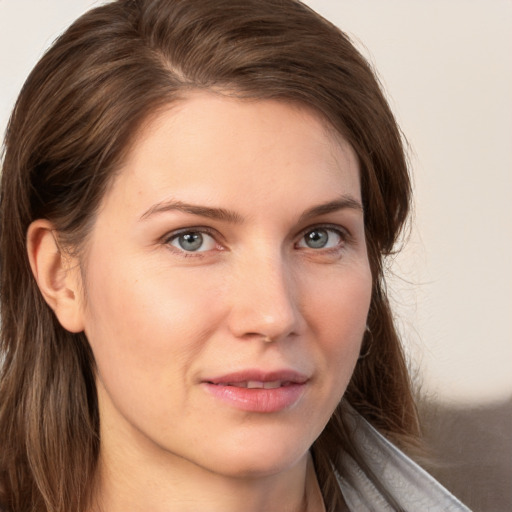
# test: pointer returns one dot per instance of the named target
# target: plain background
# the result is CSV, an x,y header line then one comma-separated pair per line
x,y
446,68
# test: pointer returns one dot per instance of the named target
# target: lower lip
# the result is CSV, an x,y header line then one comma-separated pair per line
x,y
257,399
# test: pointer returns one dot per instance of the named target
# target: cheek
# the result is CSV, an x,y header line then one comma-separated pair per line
x,y
145,324
337,316
341,299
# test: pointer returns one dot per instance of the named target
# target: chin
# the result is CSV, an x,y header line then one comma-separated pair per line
x,y
257,467
258,457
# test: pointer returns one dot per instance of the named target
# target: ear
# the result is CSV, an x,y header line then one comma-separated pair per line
x,y
56,274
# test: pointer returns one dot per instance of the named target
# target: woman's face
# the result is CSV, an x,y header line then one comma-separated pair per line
x,y
227,286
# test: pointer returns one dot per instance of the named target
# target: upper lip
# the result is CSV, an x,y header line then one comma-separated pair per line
x,y
284,375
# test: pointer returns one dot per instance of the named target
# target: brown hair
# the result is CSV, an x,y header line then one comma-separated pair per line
x,y
69,131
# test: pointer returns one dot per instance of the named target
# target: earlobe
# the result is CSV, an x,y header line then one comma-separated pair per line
x,y
57,276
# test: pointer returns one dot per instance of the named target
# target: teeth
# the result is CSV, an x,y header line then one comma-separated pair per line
x,y
256,384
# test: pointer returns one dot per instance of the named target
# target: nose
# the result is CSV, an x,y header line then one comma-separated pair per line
x,y
264,299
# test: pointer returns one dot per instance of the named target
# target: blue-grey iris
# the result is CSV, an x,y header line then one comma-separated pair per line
x,y
190,241
317,239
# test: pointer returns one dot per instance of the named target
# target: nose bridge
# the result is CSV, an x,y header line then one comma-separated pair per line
x,y
264,298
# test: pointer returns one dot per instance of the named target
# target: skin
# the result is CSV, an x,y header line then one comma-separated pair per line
x,y
160,319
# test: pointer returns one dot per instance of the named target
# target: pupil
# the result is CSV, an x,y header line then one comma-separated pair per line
x,y
191,241
317,239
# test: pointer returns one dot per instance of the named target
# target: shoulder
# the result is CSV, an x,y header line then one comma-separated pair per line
x,y
411,487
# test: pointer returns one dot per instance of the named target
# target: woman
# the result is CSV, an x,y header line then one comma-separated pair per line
x,y
197,200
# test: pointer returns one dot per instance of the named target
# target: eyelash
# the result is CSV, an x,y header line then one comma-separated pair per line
x,y
344,235
170,237
341,232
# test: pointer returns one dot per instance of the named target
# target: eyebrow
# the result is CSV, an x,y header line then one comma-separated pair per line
x,y
202,211
344,202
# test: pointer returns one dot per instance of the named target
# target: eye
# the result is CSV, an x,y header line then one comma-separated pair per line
x,y
321,238
192,241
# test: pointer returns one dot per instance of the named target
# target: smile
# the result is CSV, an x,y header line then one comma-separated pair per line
x,y
254,384
257,391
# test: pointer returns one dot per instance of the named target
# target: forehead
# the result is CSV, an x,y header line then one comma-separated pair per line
x,y
209,144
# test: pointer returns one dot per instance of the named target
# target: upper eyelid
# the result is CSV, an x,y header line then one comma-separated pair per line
x,y
170,235
345,235
345,232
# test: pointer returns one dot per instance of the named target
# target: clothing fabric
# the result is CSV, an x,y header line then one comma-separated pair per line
x,y
412,487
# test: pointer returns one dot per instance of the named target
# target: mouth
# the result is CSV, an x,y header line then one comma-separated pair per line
x,y
259,392
255,384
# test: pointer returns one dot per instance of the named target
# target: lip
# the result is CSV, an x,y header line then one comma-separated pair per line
x,y
260,400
